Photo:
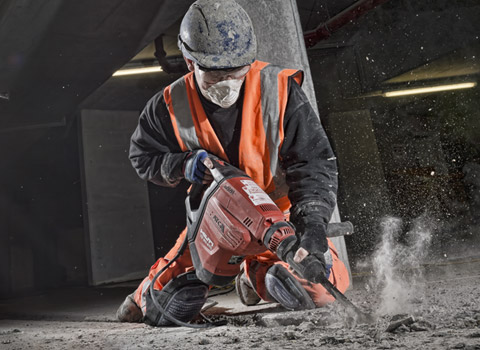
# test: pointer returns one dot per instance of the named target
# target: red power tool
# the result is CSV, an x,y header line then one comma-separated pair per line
x,y
233,217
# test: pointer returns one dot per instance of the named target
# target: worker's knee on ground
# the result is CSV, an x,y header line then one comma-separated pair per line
x,y
181,299
245,291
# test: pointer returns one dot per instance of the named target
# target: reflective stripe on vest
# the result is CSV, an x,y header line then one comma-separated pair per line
x,y
193,130
270,115
179,109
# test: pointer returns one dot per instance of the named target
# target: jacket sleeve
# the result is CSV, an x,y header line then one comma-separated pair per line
x,y
309,163
154,150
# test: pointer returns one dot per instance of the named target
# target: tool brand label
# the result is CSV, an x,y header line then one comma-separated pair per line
x,y
220,224
255,193
208,242
229,189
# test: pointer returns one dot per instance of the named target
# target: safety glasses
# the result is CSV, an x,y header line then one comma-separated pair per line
x,y
214,76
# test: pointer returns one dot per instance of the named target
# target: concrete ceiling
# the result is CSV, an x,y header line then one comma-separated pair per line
x,y
54,53
315,12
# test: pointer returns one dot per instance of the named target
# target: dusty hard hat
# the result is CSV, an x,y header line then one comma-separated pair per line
x,y
217,34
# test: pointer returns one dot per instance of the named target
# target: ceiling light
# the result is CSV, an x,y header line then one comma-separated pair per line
x,y
142,70
428,89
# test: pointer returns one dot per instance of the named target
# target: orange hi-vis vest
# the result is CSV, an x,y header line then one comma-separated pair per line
x,y
261,135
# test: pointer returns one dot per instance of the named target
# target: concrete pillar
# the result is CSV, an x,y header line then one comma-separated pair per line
x,y
280,36
280,41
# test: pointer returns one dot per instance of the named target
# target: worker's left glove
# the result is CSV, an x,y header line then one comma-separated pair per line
x,y
193,168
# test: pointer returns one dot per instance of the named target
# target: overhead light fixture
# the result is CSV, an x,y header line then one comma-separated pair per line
x,y
140,70
429,89
4,95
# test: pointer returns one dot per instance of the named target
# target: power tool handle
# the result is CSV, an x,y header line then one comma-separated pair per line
x,y
337,229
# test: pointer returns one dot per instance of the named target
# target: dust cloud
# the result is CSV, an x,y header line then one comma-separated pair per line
x,y
397,264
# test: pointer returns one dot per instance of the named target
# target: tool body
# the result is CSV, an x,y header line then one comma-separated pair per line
x,y
231,218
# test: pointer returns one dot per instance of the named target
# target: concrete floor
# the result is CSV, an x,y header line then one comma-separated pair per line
x,y
99,305
447,312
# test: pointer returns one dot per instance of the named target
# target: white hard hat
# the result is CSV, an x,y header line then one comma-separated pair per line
x,y
217,34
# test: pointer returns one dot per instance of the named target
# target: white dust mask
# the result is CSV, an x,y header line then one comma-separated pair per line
x,y
224,93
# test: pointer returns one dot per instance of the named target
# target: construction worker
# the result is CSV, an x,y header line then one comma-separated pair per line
x,y
255,116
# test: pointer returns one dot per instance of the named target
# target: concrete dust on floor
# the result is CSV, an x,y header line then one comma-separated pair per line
x,y
445,316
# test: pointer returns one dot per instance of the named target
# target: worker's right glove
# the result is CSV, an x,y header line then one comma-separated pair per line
x,y
311,224
193,168
314,242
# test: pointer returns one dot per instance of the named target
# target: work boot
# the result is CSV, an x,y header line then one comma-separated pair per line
x,y
245,291
284,288
182,299
129,310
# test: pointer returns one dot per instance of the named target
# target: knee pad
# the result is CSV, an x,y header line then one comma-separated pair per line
x,y
246,293
182,298
284,288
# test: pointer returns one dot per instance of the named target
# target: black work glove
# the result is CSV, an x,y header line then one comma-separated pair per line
x,y
194,170
312,229
314,242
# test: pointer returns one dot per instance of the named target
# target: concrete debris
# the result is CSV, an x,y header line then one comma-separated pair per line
x,y
441,334
291,335
472,347
204,341
474,335
306,327
397,323
421,326
282,319
402,329
470,322
232,340
409,324
332,340
10,331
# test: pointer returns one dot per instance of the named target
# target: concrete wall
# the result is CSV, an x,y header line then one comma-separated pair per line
x,y
41,241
